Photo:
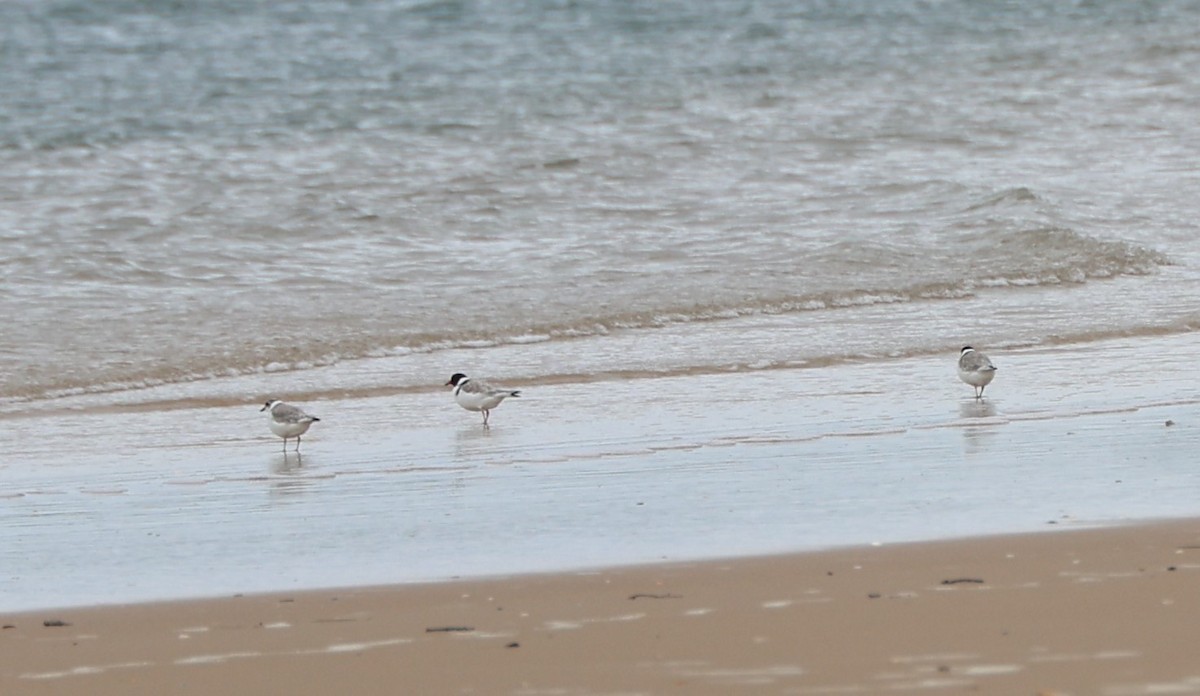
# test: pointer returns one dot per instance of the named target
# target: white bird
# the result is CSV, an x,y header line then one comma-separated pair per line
x,y
287,421
477,395
975,369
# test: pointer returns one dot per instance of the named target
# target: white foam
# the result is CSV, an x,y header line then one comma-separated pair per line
x,y
84,670
748,675
570,625
357,647
934,657
1087,657
1188,685
216,659
989,670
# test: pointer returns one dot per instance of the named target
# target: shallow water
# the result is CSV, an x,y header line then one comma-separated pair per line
x,y
579,475
729,251
198,191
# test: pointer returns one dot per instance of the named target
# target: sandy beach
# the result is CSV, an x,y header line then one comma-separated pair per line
x,y
844,544
1101,611
729,254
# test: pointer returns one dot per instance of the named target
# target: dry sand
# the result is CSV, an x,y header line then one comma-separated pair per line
x,y
1111,611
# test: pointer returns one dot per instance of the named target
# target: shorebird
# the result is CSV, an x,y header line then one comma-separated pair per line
x,y
287,421
975,369
477,395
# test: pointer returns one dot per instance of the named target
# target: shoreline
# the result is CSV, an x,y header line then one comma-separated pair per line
x,y
1077,611
666,351
1065,526
96,509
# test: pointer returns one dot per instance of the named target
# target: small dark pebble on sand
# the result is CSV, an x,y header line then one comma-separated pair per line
x,y
1170,423
643,595
8,626
513,645
449,629
957,581
1171,568
54,623
874,595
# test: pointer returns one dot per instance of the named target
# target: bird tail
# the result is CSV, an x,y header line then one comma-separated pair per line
x,y
515,393
315,418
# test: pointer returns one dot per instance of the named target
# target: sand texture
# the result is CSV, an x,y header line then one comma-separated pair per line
x,y
1098,611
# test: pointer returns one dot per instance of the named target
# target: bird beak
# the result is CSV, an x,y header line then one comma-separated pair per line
x,y
262,409
448,384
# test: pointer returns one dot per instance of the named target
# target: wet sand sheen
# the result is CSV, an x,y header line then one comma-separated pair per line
x,y
98,508
1106,611
602,475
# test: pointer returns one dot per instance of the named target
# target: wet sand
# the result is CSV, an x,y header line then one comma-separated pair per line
x,y
160,504
1100,611
102,512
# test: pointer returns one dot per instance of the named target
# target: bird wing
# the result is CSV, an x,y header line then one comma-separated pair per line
x,y
286,413
975,362
476,386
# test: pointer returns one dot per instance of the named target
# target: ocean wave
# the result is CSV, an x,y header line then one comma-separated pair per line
x,y
1055,255
1013,260
1017,196
173,400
